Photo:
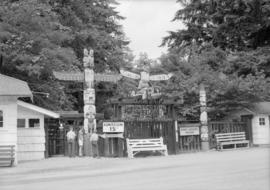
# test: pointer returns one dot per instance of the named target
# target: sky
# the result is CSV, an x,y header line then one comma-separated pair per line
x,y
147,22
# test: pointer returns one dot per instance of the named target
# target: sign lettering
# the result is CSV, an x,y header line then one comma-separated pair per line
x,y
113,127
186,131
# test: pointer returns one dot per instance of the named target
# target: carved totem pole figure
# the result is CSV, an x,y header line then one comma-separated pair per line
x,y
144,77
203,119
89,92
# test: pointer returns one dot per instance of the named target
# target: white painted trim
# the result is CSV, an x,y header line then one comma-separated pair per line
x,y
38,109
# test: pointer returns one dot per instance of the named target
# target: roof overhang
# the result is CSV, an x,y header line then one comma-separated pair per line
x,y
38,109
10,86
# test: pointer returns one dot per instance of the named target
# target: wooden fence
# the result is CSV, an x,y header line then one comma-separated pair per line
x,y
188,143
225,127
175,141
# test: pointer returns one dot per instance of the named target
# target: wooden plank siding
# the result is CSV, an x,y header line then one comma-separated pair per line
x,y
191,143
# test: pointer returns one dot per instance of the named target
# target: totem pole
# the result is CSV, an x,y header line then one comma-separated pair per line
x,y
203,119
144,77
89,92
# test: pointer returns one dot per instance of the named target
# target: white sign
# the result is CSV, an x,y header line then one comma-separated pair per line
x,y
113,127
186,131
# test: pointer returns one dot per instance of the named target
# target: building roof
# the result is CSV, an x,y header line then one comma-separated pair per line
x,y
259,108
38,109
13,87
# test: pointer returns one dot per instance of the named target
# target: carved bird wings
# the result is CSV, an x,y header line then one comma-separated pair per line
x,y
160,77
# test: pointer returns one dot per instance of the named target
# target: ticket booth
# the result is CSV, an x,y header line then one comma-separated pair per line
x,y
111,141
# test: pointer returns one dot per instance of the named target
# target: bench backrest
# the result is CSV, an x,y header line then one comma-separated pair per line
x,y
7,149
225,137
157,142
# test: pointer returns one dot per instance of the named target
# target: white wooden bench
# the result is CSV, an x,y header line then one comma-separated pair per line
x,y
135,146
7,155
231,139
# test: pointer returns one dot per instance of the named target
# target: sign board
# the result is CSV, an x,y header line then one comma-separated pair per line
x,y
187,131
143,112
113,127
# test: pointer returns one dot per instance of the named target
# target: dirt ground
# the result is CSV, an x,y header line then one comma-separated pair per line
x,y
235,169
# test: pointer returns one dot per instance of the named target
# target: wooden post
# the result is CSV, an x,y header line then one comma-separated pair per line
x,y
89,92
106,147
120,147
204,119
89,97
176,135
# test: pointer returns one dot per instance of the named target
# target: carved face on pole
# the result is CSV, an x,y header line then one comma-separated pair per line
x,y
88,58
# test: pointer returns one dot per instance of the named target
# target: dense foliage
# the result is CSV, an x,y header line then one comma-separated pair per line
x,y
39,36
230,24
226,46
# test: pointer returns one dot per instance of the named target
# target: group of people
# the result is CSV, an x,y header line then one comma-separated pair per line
x,y
71,140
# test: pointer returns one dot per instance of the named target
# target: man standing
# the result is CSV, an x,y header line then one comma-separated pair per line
x,y
94,143
80,140
71,142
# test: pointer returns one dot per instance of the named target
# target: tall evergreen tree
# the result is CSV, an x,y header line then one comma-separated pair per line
x,y
230,24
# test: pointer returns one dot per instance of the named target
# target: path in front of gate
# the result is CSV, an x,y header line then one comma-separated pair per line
x,y
235,169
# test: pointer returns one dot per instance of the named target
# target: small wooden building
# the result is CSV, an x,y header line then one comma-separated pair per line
x,y
21,123
10,90
30,131
259,116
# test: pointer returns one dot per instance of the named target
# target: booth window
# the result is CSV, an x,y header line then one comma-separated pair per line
x,y
34,123
262,121
20,123
1,119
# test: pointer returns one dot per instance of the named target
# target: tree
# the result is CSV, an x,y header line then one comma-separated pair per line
x,y
40,36
231,24
229,84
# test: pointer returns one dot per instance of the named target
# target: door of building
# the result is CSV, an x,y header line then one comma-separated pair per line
x,y
56,140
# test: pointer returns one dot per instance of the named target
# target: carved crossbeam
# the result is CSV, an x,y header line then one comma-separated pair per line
x,y
79,77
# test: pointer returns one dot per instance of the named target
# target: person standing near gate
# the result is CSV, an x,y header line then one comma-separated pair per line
x,y
80,140
71,142
94,144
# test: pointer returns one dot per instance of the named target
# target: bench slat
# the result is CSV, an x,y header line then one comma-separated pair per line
x,y
234,139
230,133
235,142
7,153
231,139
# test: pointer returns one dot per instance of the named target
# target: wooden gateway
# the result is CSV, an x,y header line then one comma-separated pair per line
x,y
142,119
